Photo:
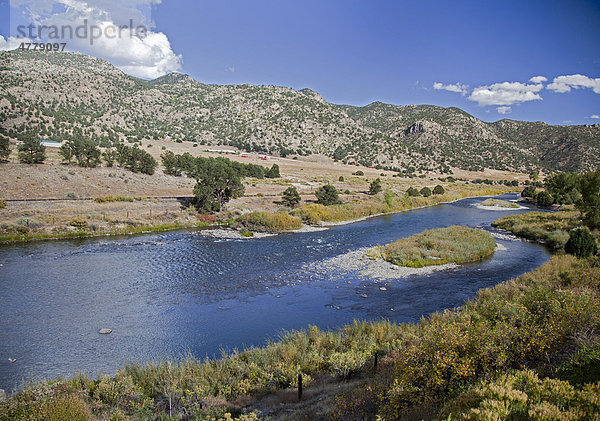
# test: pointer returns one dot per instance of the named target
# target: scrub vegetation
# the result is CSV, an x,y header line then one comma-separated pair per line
x,y
455,244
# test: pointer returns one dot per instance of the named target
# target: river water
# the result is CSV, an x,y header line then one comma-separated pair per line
x,y
168,294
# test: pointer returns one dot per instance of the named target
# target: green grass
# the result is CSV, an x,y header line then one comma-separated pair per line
x,y
550,228
455,244
500,203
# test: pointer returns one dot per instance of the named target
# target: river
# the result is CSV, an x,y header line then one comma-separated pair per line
x,y
164,295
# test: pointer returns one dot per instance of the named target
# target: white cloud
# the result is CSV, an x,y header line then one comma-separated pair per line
x,y
538,79
595,116
456,87
11,43
504,110
146,54
506,93
564,84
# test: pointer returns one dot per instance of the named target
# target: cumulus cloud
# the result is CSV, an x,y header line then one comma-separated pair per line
x,y
10,43
119,32
564,84
456,87
506,93
595,116
504,110
538,79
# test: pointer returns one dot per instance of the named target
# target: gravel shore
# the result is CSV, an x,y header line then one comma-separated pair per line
x,y
357,261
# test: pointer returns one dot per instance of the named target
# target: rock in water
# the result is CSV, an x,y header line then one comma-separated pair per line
x,y
105,331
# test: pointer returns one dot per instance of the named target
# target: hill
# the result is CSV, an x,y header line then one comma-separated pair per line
x,y
55,95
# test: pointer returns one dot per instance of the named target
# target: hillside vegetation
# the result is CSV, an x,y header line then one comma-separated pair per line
x,y
63,95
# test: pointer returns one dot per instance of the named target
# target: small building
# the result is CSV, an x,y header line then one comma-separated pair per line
x,y
51,143
244,155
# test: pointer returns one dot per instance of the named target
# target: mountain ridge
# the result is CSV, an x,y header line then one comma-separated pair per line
x,y
57,95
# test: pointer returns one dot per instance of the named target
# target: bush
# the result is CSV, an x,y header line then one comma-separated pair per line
x,y
524,396
528,191
341,179
581,243
109,199
375,187
79,222
439,190
4,147
412,192
425,192
327,195
2,204
290,197
272,222
359,172
273,172
544,199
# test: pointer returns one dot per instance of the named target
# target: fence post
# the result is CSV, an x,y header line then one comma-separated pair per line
x,y
299,386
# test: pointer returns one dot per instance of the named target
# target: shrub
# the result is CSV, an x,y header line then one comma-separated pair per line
x,y
2,204
290,197
79,222
273,172
500,203
4,147
109,199
30,223
327,195
425,192
375,187
544,199
341,179
359,172
265,221
412,192
439,190
524,395
528,191
581,243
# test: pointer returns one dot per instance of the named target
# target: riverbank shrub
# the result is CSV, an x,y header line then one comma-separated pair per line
x,y
455,244
2,204
551,228
581,243
270,222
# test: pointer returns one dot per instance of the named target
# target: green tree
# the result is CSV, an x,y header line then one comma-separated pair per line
x,y
327,195
544,199
581,243
216,184
273,172
290,197
375,187
31,151
589,203
4,147
439,190
534,175
563,187
412,192
84,150
425,192
170,163
528,191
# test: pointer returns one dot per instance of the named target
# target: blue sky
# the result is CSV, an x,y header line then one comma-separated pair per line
x,y
480,55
